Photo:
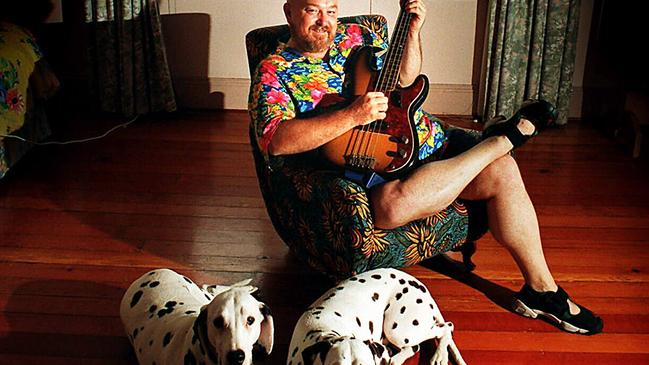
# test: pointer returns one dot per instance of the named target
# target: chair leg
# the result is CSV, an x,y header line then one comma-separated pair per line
x,y
468,249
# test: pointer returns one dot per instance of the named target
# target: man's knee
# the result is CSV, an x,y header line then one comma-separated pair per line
x,y
504,172
392,206
389,206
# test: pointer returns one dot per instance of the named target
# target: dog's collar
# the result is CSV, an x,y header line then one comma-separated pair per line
x,y
200,334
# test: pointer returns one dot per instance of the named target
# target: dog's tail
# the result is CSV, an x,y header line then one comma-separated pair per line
x,y
454,353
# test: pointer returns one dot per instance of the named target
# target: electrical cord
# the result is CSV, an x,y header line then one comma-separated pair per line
x,y
123,125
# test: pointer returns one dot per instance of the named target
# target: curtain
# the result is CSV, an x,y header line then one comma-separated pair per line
x,y
530,53
129,70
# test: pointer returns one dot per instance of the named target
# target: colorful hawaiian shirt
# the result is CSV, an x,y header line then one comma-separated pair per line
x,y
288,84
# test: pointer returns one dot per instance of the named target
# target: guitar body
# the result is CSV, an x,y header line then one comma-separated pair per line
x,y
388,147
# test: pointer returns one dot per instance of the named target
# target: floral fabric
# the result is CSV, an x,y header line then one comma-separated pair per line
x,y
324,218
21,114
18,55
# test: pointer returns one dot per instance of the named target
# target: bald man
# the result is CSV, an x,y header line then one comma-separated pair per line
x,y
291,82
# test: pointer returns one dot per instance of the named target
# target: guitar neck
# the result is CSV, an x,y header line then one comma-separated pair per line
x,y
389,75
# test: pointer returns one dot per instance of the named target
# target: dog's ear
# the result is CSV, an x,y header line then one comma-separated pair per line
x,y
215,290
376,348
310,353
200,335
267,333
245,284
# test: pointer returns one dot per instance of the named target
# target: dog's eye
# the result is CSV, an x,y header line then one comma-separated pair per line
x,y
218,322
251,320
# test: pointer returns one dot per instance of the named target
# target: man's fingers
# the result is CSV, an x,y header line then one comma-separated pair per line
x,y
415,5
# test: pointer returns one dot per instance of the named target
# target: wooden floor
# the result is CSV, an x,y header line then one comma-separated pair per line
x,y
78,223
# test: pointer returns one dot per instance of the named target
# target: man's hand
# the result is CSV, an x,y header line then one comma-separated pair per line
x,y
412,55
418,9
368,108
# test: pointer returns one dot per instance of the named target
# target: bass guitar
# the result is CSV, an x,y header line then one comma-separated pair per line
x,y
390,146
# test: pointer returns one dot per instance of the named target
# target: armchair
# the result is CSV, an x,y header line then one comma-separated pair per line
x,y
325,218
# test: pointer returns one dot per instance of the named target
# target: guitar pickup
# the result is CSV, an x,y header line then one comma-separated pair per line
x,y
399,139
398,153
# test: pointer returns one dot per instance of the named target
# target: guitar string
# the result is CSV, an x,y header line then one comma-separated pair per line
x,y
383,84
374,126
360,133
393,67
386,83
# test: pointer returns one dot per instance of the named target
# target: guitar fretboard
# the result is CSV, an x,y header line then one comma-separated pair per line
x,y
389,74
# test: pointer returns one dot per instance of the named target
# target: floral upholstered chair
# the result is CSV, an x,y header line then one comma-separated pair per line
x,y
325,218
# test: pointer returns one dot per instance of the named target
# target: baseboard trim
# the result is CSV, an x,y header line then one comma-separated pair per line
x,y
232,93
450,99
212,93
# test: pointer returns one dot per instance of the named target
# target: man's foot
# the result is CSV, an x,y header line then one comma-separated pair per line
x,y
533,117
559,309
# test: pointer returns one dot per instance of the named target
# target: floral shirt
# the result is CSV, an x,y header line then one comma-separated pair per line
x,y
288,84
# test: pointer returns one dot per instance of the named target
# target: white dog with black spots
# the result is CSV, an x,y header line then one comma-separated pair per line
x,y
171,320
377,317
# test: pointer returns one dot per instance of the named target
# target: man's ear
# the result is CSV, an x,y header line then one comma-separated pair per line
x,y
310,353
287,12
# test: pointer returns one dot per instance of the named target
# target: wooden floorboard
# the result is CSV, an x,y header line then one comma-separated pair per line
x,y
79,223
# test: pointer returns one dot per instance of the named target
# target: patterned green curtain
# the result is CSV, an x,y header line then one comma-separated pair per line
x,y
129,69
531,46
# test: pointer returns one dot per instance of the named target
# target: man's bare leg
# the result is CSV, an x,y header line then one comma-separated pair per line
x,y
435,185
484,172
512,219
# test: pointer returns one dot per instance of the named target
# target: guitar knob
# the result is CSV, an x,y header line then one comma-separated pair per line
x,y
402,153
405,140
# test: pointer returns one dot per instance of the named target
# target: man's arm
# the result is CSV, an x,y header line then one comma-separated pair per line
x,y
301,135
412,55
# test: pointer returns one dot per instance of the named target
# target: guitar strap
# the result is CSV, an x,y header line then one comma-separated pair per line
x,y
365,179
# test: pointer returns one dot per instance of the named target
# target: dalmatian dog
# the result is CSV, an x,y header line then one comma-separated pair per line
x,y
377,317
171,320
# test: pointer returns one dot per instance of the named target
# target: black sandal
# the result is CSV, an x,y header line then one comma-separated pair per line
x,y
539,112
554,306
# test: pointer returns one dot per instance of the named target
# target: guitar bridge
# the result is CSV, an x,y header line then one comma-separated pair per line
x,y
362,162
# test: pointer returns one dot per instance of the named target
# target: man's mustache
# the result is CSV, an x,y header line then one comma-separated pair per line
x,y
320,28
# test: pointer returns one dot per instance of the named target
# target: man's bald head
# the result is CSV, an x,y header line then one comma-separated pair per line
x,y
312,23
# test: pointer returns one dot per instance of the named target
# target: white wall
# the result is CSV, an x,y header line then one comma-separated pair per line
x,y
222,80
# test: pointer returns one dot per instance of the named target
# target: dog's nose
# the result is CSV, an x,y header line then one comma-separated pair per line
x,y
236,357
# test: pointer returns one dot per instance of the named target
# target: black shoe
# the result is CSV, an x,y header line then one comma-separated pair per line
x,y
554,306
540,113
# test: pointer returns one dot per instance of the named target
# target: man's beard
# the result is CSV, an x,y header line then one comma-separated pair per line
x,y
310,43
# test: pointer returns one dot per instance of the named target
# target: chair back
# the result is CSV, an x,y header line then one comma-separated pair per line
x,y
261,42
